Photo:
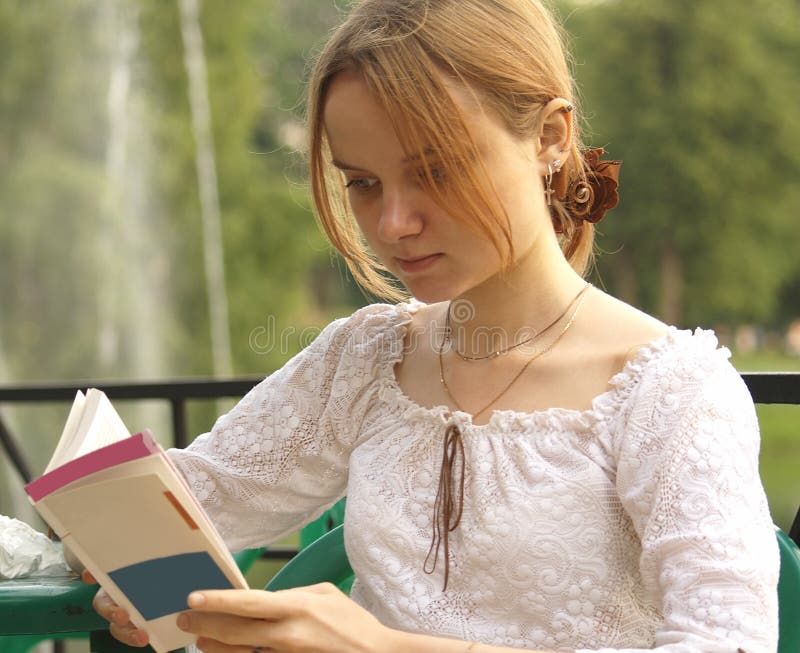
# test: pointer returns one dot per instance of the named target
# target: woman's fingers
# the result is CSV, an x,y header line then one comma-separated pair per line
x,y
208,645
255,604
106,608
258,604
316,618
104,605
226,633
228,628
129,634
87,577
121,627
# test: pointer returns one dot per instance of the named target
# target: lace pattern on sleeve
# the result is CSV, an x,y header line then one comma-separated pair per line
x,y
281,456
688,478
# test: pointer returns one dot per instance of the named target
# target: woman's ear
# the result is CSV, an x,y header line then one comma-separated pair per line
x,y
555,131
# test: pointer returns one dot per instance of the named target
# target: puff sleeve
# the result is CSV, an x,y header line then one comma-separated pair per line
x,y
280,457
688,477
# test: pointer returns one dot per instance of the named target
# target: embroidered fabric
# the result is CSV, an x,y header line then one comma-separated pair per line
x,y
640,524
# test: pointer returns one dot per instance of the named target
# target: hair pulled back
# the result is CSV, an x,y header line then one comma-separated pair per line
x,y
509,53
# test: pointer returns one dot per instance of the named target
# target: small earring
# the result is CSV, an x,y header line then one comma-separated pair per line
x,y
552,168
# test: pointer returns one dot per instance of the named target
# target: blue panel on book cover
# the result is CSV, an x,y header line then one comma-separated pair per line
x,y
159,587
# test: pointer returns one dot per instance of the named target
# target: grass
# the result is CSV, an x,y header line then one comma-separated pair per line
x,y
766,362
780,440
780,460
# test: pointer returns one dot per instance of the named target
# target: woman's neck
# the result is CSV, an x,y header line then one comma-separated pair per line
x,y
508,309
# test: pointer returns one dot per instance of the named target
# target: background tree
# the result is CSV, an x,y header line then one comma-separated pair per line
x,y
100,242
700,112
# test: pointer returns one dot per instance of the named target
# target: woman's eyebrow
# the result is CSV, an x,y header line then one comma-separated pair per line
x,y
427,153
344,166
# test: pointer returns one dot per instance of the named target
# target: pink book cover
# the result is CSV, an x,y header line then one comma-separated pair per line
x,y
137,446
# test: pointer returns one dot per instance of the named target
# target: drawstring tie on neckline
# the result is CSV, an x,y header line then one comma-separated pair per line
x,y
449,503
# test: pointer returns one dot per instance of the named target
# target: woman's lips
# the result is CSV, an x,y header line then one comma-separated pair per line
x,y
411,266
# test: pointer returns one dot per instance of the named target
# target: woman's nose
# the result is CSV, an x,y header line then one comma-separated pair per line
x,y
401,216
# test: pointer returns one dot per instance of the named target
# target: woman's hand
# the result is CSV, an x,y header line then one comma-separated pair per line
x,y
120,627
317,618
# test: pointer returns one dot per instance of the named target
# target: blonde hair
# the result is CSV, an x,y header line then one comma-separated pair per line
x,y
508,52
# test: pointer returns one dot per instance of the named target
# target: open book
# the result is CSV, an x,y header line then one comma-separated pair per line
x,y
128,515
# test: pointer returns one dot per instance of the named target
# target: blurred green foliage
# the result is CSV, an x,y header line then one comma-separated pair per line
x,y
698,111
695,98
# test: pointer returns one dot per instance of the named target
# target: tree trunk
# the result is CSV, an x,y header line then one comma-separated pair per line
x,y
626,286
671,296
207,184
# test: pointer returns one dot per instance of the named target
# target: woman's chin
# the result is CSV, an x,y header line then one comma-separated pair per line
x,y
433,291
429,294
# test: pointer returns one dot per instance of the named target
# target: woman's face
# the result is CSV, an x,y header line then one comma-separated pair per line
x,y
435,256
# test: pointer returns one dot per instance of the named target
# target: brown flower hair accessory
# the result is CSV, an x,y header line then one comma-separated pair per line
x,y
589,199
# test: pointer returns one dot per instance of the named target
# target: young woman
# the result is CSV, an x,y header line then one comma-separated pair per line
x,y
528,462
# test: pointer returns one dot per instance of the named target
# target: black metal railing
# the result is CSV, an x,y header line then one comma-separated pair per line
x,y
765,388
174,391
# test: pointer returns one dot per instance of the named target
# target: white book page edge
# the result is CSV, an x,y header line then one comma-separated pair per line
x,y
67,438
101,425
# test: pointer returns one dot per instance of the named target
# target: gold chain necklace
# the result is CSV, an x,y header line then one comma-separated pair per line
x,y
499,352
576,301
449,502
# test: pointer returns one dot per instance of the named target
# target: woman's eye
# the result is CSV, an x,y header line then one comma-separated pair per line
x,y
437,174
361,183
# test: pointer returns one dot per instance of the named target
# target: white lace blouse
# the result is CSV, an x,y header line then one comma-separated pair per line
x,y
638,524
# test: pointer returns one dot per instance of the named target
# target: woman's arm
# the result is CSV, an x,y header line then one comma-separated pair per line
x,y
687,475
280,458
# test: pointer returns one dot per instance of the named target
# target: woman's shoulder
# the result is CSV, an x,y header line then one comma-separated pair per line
x,y
375,319
635,337
656,360
683,371
619,329
684,359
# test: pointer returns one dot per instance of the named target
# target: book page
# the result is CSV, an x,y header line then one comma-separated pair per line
x,y
68,434
101,425
92,423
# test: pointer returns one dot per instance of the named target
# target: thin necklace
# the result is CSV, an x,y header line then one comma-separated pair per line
x,y
499,352
577,301
448,505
